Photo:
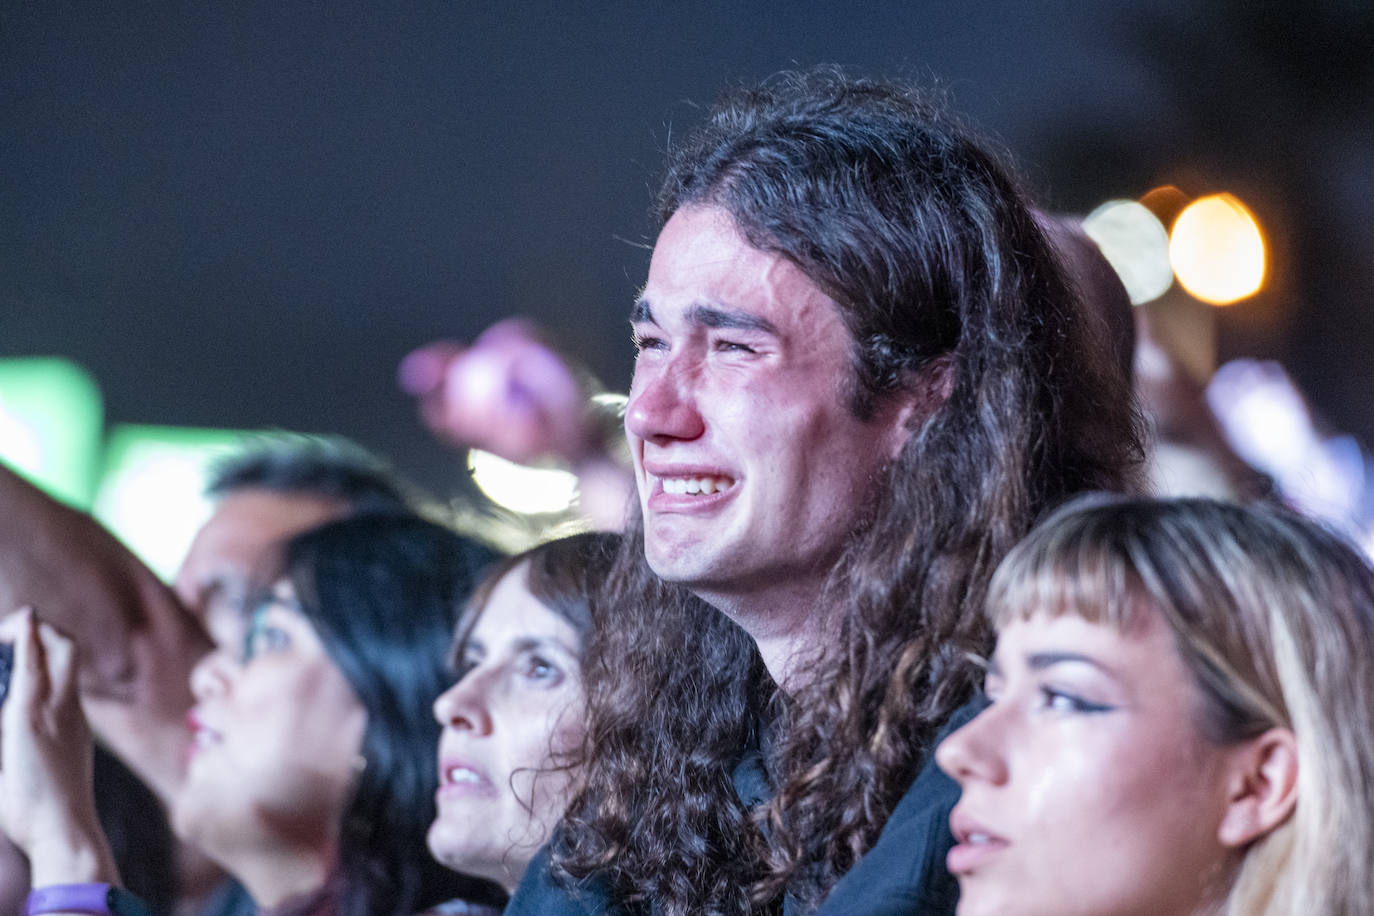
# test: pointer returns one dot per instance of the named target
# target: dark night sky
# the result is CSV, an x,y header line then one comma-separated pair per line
x,y
244,214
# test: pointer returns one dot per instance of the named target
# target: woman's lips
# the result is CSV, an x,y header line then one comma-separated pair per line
x,y
202,735
976,843
460,778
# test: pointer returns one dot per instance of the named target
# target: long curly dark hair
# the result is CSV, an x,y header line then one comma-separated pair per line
x,y
946,284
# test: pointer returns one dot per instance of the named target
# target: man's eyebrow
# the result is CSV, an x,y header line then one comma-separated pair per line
x,y
709,316
712,317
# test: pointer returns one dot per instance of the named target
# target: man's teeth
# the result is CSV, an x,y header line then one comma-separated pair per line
x,y
463,774
978,839
680,486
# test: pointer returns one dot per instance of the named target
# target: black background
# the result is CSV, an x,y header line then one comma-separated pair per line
x,y
243,214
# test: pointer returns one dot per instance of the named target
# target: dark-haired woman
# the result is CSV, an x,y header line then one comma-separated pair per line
x,y
310,774
514,722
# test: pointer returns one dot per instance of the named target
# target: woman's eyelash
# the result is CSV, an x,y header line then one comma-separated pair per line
x,y
1068,702
540,668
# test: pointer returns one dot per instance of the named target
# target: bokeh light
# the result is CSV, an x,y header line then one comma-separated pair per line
x,y
1136,244
51,420
1166,202
1217,250
523,489
152,494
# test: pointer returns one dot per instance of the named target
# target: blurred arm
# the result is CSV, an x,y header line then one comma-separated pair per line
x,y
137,644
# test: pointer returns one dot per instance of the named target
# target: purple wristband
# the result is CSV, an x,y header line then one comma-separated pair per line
x,y
69,898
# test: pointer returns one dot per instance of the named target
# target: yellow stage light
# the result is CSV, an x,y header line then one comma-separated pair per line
x,y
1217,250
530,491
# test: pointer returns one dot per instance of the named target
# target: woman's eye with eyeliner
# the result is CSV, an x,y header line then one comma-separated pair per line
x,y
1060,701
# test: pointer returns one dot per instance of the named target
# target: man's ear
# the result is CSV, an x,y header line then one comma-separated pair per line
x,y
920,397
1262,786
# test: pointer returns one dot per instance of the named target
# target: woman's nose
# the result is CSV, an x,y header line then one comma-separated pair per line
x,y
213,674
974,752
463,706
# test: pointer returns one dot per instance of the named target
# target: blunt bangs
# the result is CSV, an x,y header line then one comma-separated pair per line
x,y
1073,563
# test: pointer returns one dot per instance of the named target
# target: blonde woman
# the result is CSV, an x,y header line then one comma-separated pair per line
x,y
1181,720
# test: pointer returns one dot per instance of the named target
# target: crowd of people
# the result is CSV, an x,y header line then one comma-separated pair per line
x,y
886,619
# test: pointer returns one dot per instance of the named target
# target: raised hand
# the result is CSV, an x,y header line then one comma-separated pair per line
x,y
509,393
47,804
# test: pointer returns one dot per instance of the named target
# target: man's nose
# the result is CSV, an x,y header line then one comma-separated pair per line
x,y
664,402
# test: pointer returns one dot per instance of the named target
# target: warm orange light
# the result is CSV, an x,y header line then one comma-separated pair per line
x,y
1217,250
1165,202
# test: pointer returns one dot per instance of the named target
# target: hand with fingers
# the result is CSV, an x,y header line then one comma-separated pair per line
x,y
515,395
47,803
509,393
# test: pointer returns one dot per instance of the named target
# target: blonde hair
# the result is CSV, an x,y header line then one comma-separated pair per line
x,y
1274,620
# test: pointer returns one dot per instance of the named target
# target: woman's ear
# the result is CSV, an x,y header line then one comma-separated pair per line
x,y
1263,787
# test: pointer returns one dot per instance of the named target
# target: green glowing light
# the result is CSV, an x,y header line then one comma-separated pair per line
x,y
50,425
152,491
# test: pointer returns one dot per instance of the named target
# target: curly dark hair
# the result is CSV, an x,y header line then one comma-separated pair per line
x,y
673,689
922,237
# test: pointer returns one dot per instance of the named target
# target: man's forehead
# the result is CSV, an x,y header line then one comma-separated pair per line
x,y
246,524
705,273
271,515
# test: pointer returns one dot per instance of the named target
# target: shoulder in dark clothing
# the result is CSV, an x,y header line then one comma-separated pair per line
x,y
904,874
540,895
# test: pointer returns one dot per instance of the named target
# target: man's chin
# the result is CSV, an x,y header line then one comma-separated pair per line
x,y
672,568
682,565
